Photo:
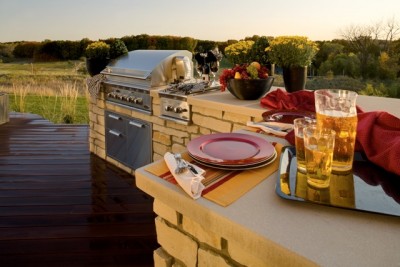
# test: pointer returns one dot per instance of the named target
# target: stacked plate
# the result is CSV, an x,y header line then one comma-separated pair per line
x,y
232,151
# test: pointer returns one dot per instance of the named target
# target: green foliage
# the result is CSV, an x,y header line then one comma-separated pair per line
x,y
388,67
326,51
287,51
117,48
25,49
341,64
332,82
257,51
375,91
98,50
6,54
50,107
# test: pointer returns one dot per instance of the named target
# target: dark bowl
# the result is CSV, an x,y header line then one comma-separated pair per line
x,y
249,89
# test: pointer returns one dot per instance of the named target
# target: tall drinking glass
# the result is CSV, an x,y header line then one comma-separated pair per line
x,y
336,110
299,125
318,145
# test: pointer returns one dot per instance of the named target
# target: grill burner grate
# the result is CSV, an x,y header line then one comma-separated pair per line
x,y
188,88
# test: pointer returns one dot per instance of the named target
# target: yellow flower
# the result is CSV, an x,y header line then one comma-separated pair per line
x,y
236,53
287,51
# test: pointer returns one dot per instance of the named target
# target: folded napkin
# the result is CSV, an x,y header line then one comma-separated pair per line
x,y
299,100
280,99
190,183
276,128
378,136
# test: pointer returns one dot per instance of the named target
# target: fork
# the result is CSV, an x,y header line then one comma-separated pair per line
x,y
276,128
182,165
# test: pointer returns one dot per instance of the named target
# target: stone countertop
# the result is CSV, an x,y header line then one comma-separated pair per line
x,y
284,232
288,233
225,101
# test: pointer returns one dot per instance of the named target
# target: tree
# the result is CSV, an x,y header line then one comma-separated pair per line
x,y
366,43
327,50
25,49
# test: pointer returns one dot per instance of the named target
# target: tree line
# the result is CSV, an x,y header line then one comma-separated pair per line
x,y
367,52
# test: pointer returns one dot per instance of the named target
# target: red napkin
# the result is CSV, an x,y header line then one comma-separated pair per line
x,y
280,99
378,136
378,133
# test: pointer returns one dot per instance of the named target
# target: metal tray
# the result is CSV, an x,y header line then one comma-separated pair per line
x,y
366,188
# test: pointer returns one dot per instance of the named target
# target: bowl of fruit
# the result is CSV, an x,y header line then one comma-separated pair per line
x,y
246,81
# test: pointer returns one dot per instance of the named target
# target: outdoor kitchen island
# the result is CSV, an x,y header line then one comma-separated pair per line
x,y
260,228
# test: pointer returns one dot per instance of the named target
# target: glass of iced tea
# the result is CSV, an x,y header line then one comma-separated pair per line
x,y
336,110
299,125
318,145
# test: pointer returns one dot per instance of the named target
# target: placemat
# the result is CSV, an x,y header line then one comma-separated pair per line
x,y
223,187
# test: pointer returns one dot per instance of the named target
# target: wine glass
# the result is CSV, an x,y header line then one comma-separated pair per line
x,y
214,66
199,70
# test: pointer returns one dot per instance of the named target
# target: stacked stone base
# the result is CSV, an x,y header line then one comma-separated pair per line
x,y
186,243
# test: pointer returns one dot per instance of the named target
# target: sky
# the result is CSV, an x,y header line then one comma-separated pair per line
x,y
215,20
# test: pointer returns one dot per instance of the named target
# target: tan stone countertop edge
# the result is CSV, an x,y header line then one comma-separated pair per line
x,y
287,233
225,101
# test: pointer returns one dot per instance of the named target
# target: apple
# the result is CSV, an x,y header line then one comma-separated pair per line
x,y
256,64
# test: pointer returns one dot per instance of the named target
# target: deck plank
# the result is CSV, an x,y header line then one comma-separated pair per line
x,y
60,205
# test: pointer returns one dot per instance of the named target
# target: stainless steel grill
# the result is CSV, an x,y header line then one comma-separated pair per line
x,y
130,78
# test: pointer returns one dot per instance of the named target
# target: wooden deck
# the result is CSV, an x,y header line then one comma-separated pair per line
x,y
62,206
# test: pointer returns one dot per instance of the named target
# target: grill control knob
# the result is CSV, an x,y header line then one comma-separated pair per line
x,y
138,101
168,108
179,110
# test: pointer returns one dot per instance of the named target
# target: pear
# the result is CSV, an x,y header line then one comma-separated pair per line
x,y
237,75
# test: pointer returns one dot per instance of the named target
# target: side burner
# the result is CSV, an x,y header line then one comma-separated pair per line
x,y
174,105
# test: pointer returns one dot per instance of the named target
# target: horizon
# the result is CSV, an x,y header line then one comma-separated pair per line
x,y
40,20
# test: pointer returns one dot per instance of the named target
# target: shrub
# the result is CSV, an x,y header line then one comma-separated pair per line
x,y
117,48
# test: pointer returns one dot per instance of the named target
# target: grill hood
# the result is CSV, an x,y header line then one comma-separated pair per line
x,y
150,68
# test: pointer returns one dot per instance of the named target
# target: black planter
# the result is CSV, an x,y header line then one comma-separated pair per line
x,y
249,89
96,65
295,78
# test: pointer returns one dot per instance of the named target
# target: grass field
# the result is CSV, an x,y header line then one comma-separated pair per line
x,y
55,90
58,92
25,67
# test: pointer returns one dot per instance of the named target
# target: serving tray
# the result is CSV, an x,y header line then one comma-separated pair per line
x,y
366,188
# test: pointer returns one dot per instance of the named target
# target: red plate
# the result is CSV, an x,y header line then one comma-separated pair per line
x,y
230,148
286,116
237,167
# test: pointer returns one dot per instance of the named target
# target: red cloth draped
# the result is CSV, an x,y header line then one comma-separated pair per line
x,y
378,136
378,132
279,99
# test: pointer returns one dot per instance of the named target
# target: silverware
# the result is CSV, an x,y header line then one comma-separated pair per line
x,y
273,127
182,165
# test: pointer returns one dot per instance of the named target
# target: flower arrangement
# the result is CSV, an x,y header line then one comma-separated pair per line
x,y
244,71
97,50
292,51
238,52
